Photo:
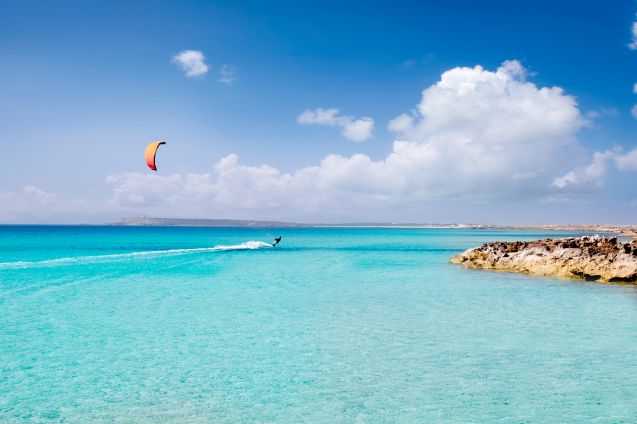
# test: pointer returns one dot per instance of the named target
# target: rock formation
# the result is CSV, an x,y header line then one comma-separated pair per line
x,y
589,258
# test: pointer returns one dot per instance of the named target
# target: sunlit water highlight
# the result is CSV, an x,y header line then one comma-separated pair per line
x,y
121,325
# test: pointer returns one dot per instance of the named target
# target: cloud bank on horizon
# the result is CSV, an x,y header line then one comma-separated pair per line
x,y
476,134
352,125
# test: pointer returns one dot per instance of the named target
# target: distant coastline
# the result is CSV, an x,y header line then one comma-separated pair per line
x,y
622,230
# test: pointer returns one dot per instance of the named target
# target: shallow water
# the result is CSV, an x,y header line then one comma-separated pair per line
x,y
121,325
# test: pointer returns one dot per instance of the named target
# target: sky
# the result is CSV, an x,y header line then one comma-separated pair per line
x,y
440,112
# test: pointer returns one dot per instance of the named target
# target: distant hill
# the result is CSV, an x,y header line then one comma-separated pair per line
x,y
200,222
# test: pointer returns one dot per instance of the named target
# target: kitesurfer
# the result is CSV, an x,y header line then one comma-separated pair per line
x,y
276,241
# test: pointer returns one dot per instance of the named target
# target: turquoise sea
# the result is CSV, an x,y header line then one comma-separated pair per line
x,y
207,325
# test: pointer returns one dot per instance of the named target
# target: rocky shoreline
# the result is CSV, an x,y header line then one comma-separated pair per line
x,y
588,258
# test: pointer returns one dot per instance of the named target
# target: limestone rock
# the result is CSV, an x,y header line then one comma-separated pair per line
x,y
590,258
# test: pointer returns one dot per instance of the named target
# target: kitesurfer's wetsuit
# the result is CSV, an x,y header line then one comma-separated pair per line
x,y
276,241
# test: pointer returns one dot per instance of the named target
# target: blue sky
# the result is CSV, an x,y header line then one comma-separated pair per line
x,y
85,85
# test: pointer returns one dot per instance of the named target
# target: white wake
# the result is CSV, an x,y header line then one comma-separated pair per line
x,y
248,245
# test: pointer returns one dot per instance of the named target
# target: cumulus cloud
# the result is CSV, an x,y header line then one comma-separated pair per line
x,y
227,74
401,123
353,129
476,134
319,116
633,44
192,62
628,161
587,176
593,174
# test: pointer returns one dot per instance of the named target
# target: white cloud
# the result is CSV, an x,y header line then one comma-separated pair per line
x,y
358,129
227,74
402,123
592,175
633,43
15,204
191,62
409,63
319,116
33,205
628,161
476,134
37,194
603,113
633,111
353,129
29,194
